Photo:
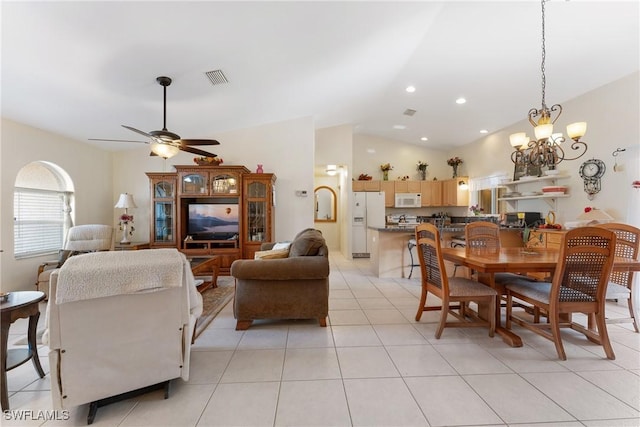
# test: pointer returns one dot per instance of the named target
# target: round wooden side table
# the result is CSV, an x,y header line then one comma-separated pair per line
x,y
19,305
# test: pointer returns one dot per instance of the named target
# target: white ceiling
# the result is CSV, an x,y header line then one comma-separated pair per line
x,y
82,69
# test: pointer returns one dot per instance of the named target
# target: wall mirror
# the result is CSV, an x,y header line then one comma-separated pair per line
x,y
325,204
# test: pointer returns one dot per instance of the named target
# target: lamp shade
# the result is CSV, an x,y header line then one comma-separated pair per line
x,y
577,130
126,201
543,131
165,151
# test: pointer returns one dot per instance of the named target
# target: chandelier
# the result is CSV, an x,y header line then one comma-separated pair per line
x,y
546,149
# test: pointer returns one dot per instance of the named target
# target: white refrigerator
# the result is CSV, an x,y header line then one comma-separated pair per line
x,y
367,210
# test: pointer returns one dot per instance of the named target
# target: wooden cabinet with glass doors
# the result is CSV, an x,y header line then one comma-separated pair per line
x,y
257,204
163,209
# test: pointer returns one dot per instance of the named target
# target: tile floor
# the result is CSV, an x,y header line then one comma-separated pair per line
x,y
373,365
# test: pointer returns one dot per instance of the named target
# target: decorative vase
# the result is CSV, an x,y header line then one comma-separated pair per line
x,y
259,169
385,175
455,170
125,233
423,174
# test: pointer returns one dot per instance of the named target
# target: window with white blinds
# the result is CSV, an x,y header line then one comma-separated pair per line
x,y
39,221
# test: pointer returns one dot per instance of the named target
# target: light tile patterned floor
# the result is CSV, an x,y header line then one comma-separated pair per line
x,y
373,365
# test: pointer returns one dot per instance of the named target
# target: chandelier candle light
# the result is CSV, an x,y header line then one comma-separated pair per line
x,y
125,202
545,150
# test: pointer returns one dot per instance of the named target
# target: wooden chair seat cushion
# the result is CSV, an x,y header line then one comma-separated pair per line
x,y
462,287
540,291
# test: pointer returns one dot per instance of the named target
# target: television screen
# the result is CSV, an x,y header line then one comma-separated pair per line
x,y
213,221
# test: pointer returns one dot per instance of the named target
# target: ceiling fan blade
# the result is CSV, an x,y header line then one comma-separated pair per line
x,y
138,131
184,142
196,151
118,140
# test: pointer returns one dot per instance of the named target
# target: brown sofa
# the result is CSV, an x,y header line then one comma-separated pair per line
x,y
295,287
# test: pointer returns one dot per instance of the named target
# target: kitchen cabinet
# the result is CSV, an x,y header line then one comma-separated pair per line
x,y
407,186
431,193
388,188
163,209
370,185
452,195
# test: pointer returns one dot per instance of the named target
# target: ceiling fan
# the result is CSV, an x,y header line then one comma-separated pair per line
x,y
164,143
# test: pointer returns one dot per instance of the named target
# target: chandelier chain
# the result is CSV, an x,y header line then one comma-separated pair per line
x,y
544,54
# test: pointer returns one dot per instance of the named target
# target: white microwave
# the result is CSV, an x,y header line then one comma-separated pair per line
x,y
408,200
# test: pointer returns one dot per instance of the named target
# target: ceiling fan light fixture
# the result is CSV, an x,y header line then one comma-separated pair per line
x,y
166,151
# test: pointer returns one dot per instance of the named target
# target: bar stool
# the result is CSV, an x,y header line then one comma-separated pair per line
x,y
410,245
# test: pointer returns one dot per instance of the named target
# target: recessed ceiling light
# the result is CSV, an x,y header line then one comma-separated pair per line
x,y
410,89
461,101
484,131
424,138
399,127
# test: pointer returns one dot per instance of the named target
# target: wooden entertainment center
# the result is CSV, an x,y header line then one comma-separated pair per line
x,y
204,211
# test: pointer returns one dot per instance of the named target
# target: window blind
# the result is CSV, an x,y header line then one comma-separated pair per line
x,y
38,222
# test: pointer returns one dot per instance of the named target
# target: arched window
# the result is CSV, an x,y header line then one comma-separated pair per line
x,y
42,206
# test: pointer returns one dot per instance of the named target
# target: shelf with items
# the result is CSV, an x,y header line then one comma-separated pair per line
x,y
550,198
163,205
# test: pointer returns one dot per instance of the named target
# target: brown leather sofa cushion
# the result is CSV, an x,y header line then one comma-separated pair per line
x,y
308,242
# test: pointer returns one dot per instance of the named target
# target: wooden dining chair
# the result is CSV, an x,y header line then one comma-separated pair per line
x,y
621,282
579,286
449,290
483,238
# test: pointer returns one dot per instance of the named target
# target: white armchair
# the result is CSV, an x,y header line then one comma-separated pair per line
x,y
79,239
120,328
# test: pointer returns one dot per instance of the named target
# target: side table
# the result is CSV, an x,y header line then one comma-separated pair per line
x,y
19,305
206,267
133,246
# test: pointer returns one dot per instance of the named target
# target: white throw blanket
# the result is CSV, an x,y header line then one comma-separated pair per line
x,y
118,272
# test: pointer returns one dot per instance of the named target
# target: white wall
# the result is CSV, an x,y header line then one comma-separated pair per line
x,y
333,147
90,169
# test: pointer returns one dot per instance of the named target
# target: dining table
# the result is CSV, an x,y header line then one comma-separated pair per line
x,y
516,260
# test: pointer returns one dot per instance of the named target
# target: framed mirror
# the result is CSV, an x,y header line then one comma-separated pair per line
x,y
325,204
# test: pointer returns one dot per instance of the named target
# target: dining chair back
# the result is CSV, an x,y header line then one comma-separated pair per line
x,y
620,285
579,285
483,238
450,290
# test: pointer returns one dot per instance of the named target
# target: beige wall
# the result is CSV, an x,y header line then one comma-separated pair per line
x,y
89,168
611,113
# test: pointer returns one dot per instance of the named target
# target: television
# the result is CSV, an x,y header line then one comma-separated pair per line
x,y
213,221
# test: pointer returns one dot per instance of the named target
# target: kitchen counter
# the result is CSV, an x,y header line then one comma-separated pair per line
x,y
390,254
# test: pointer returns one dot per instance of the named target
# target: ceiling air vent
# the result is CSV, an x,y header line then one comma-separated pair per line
x,y
409,112
216,77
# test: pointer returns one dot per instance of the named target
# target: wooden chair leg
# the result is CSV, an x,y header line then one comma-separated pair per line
x,y
322,321
604,335
554,319
509,309
632,314
492,317
423,303
444,312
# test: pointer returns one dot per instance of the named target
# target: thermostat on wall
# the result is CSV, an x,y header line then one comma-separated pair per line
x,y
301,193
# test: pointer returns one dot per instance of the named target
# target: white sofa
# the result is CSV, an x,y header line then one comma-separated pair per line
x,y
119,321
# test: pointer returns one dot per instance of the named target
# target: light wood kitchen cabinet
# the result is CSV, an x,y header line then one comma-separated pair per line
x,y
407,186
431,193
389,193
452,195
370,185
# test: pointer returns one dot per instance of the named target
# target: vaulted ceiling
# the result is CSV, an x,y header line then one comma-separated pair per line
x,y
82,69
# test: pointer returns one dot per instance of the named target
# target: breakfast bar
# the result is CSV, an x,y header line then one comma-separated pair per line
x,y
390,257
